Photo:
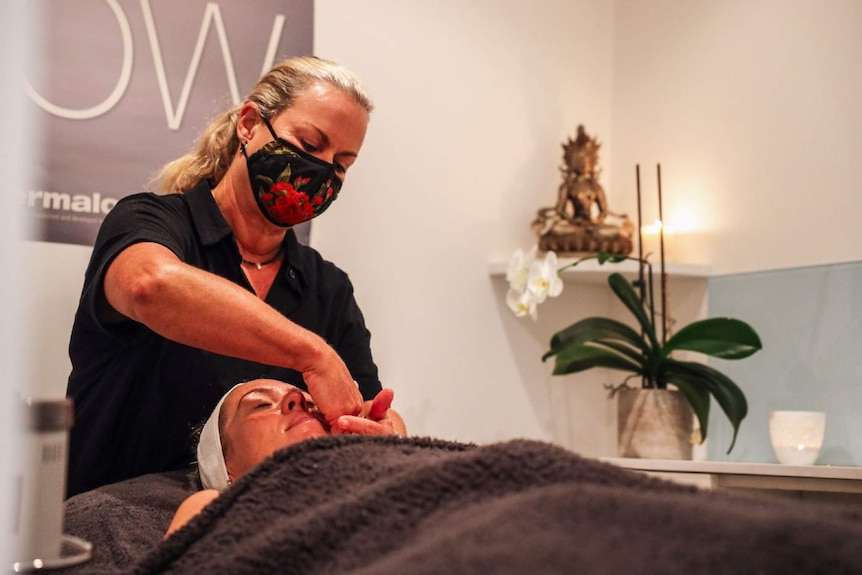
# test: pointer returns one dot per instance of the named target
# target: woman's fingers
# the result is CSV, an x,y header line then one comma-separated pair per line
x,y
364,426
376,418
380,404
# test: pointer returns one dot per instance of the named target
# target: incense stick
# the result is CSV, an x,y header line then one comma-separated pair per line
x,y
641,284
664,303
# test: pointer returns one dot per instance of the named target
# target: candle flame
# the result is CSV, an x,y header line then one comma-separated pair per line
x,y
653,228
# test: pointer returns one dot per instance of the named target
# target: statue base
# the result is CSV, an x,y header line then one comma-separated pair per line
x,y
579,245
575,237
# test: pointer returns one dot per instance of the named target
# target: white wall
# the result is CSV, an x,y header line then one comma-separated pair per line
x,y
750,106
473,100
56,276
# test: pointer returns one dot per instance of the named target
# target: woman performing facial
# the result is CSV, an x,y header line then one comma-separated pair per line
x,y
255,419
190,291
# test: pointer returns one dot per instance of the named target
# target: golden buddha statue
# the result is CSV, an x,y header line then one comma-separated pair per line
x,y
581,221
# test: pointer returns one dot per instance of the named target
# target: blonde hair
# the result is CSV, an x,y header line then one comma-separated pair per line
x,y
215,148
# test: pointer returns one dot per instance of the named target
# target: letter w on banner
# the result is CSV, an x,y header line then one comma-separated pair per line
x,y
126,86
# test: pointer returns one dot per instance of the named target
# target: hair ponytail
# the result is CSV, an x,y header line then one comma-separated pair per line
x,y
209,158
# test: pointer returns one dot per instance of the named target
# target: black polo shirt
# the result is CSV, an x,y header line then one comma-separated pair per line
x,y
137,395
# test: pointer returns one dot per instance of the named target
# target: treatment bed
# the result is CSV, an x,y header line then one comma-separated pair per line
x,y
385,505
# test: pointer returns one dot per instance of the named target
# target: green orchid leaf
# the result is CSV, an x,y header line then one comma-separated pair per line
x,y
721,337
584,357
696,395
626,293
622,349
728,395
593,329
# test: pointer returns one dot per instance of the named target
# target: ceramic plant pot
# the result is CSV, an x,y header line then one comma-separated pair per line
x,y
654,424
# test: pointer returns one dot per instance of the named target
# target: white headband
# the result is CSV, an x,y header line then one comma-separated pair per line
x,y
211,465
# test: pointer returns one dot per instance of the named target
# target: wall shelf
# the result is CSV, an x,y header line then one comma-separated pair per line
x,y
591,271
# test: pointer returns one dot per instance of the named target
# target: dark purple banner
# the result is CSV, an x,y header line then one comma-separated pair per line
x,y
127,85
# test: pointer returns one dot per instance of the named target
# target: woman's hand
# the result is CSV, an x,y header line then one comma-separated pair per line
x,y
376,418
329,382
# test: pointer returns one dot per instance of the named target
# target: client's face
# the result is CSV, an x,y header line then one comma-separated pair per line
x,y
260,417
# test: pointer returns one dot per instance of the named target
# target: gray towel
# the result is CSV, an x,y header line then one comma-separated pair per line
x,y
126,520
381,505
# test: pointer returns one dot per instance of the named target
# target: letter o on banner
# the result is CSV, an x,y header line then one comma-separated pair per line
x,y
119,89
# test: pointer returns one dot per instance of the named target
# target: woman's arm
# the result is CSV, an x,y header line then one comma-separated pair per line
x,y
149,284
193,505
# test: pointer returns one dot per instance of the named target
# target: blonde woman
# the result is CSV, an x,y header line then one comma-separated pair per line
x,y
191,291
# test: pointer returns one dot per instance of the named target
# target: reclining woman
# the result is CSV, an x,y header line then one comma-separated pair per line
x,y
255,419
426,506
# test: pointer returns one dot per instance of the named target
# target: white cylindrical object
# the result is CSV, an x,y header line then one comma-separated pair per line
x,y
797,436
42,483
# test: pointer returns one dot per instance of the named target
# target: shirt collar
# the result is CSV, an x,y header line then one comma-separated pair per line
x,y
212,228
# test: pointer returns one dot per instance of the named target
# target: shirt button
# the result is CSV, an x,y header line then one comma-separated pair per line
x,y
292,274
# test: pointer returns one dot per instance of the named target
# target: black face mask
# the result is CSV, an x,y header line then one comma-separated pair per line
x,y
290,185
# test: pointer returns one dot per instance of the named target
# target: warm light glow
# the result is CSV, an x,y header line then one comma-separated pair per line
x,y
685,220
682,234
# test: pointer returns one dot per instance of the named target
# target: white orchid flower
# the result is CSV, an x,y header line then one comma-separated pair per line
x,y
531,281
522,302
519,268
543,280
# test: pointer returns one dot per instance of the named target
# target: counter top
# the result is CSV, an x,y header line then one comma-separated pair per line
x,y
806,481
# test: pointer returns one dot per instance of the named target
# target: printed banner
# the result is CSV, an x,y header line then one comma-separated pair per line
x,y
127,85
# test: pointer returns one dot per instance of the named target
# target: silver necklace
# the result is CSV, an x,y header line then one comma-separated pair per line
x,y
259,265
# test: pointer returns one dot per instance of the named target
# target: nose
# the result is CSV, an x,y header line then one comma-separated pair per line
x,y
294,401
328,157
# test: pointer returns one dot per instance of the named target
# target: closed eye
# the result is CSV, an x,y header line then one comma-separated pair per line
x,y
308,147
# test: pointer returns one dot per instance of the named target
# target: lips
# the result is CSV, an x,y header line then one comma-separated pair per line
x,y
298,419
